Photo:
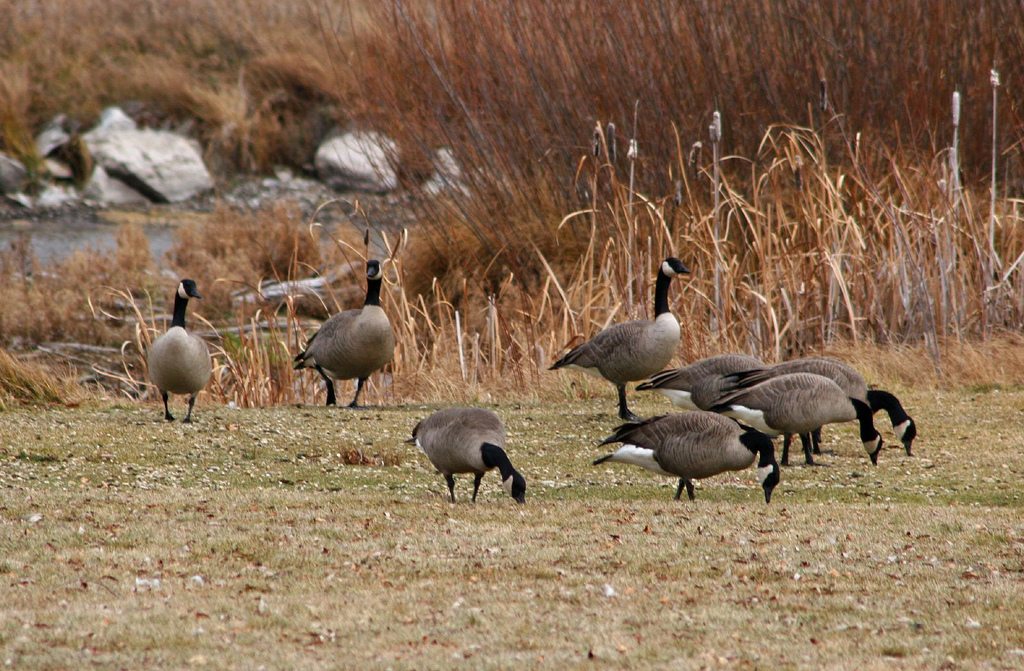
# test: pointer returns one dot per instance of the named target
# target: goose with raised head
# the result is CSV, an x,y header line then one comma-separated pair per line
x,y
468,440
178,361
632,350
799,403
852,383
353,343
698,385
695,445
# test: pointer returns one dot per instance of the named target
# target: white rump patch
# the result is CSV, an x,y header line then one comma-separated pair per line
x,y
901,428
181,290
420,445
763,472
506,484
683,399
871,445
751,417
639,456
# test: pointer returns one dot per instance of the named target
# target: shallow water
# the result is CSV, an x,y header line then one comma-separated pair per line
x,y
57,238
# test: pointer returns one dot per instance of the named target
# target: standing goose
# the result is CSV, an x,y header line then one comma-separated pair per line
x,y
353,343
635,349
468,440
694,445
179,362
852,383
699,385
799,403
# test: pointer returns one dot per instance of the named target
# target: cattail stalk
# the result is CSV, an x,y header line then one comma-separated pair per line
x,y
995,261
954,157
715,131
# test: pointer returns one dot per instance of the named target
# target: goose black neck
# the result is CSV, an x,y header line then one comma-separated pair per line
x,y
865,418
661,293
494,456
883,400
372,292
179,311
760,444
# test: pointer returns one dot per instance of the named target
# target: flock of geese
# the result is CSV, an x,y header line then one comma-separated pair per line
x,y
735,404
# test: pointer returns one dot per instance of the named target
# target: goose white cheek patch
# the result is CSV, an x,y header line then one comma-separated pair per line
x,y
763,472
181,291
901,428
871,445
507,485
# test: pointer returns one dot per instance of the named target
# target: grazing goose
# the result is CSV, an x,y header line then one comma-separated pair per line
x,y
635,349
799,403
699,385
852,383
694,445
468,440
179,362
353,343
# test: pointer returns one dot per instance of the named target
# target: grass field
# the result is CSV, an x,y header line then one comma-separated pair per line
x,y
313,537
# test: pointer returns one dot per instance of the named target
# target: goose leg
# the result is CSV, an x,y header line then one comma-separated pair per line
x,y
450,479
624,412
787,440
805,441
476,484
359,387
679,489
331,399
191,403
167,411
689,489
816,437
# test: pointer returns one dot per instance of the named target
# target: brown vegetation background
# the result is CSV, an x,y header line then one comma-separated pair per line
x,y
831,225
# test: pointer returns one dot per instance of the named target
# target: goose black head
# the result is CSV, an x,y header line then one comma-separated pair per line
x,y
373,270
767,468
187,289
672,266
515,485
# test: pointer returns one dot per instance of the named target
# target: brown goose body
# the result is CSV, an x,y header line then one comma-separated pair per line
x,y
353,343
698,385
635,349
468,440
692,446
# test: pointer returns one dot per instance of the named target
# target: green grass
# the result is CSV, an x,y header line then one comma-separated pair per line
x,y
306,560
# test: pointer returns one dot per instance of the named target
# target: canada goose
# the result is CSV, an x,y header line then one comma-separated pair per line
x,y
179,362
852,383
635,349
353,343
468,440
697,386
799,403
694,445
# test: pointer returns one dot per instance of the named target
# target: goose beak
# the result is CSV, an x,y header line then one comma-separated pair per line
x,y
874,455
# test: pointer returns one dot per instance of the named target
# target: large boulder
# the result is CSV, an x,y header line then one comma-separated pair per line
x,y
447,175
162,166
103,189
357,161
12,175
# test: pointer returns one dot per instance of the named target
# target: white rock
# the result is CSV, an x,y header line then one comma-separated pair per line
x,y
12,174
58,169
160,165
55,196
447,174
609,591
53,135
114,119
357,161
103,189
